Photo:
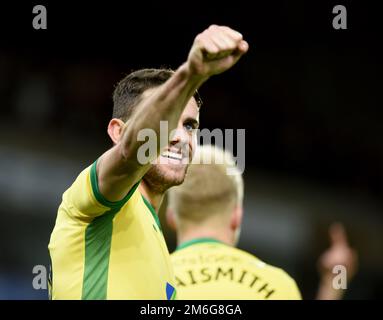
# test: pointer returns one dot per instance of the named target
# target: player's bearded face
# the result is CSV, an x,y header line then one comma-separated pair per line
x,y
168,171
171,166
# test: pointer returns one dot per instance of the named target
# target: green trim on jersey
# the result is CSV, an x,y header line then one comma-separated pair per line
x,y
98,238
196,241
154,213
100,198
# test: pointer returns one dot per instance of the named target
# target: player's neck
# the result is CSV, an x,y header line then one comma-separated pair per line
x,y
155,199
224,236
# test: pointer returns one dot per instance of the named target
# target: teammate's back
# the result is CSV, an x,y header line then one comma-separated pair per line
x,y
206,212
208,269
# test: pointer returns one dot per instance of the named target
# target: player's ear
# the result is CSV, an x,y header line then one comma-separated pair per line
x,y
236,217
115,128
171,219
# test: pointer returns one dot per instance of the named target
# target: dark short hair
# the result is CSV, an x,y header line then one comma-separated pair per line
x,y
128,91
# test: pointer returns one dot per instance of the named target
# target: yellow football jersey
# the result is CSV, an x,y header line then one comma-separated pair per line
x,y
108,250
208,269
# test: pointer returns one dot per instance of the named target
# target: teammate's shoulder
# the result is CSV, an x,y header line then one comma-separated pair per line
x,y
260,264
279,274
287,282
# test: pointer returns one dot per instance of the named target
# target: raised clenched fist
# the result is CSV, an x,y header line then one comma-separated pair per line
x,y
215,50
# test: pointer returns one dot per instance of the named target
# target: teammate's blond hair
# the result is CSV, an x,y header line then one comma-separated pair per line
x,y
213,186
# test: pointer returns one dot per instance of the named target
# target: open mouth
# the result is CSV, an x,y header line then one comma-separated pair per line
x,y
172,155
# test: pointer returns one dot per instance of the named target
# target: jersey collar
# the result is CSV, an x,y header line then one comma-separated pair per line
x,y
152,211
196,241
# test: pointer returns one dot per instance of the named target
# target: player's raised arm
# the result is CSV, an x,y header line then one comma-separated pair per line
x,y
214,51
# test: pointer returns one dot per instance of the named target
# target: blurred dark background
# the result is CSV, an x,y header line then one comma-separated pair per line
x,y
308,96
